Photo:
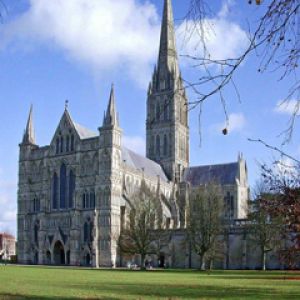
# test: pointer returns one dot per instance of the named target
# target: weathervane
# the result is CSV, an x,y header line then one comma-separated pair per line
x,y
66,104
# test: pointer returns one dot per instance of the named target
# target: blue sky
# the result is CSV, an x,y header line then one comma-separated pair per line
x,y
55,50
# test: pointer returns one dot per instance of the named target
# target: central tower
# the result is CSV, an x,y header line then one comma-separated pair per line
x,y
167,107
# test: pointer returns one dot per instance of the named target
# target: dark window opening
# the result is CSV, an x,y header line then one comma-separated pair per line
x,y
72,142
63,183
68,143
55,191
61,145
72,180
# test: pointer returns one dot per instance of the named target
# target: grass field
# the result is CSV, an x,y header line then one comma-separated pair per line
x,y
21,282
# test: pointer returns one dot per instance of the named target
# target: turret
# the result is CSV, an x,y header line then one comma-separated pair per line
x,y
28,142
110,117
111,183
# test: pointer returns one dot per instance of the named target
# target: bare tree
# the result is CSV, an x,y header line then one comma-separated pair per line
x,y
143,233
204,223
265,231
275,40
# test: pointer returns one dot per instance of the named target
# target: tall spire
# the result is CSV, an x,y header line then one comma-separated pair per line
x,y
29,136
110,118
167,51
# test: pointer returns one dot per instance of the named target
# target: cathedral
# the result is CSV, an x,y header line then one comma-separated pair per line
x,y
73,193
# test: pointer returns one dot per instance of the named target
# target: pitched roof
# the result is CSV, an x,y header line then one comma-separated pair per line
x,y
139,162
84,133
6,235
222,174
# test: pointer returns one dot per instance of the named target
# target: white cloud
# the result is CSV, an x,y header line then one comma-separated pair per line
x,y
119,35
285,166
223,38
236,123
226,8
106,35
135,143
290,107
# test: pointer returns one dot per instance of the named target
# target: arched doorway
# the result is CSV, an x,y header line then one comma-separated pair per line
x,y
88,259
161,261
48,258
36,258
59,253
68,257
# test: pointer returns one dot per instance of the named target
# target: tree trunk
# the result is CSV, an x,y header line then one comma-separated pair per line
x,y
263,260
211,264
143,257
202,262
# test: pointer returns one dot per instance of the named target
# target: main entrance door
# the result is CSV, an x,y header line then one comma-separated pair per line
x,y
59,254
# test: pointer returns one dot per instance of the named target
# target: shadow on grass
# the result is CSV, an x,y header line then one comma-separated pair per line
x,y
175,271
182,291
33,297
141,291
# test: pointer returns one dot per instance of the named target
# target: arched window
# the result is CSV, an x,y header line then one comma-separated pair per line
x,y
36,233
106,200
157,145
55,191
87,200
72,142
83,201
61,144
57,146
72,179
166,108
152,112
36,204
165,145
91,232
152,145
157,112
63,181
86,232
68,143
92,200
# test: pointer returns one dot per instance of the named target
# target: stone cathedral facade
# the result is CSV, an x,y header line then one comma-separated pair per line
x,y
72,193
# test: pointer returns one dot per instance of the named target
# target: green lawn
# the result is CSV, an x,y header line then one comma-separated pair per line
x,y
18,282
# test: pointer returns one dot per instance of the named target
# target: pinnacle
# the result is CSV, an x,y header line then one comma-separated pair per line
x,y
29,136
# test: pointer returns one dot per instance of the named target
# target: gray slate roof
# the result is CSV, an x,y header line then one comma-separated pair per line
x,y
222,174
84,133
139,162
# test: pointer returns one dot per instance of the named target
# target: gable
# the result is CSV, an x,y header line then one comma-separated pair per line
x,y
68,134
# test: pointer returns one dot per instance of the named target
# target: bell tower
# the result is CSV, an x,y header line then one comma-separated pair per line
x,y
167,111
